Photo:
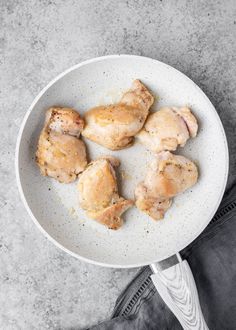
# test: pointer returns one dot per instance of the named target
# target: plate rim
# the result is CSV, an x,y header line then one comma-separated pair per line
x,y
17,153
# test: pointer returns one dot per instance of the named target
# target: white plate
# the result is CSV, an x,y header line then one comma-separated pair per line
x,y
141,241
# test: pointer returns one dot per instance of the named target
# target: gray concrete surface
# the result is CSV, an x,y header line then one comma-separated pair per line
x,y
40,286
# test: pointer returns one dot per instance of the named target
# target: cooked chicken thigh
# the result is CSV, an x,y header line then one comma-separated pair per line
x,y
64,120
168,128
114,126
98,193
168,175
60,154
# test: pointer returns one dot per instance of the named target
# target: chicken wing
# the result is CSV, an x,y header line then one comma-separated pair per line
x,y
114,126
98,193
168,128
168,175
60,153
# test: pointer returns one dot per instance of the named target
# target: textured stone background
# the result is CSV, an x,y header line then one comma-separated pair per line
x,y
40,286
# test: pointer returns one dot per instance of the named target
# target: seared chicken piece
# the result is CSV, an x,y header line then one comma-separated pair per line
x,y
168,175
65,121
98,193
60,153
114,126
168,128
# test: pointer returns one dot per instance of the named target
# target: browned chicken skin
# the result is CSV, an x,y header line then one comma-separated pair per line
x,y
60,153
98,193
168,175
114,126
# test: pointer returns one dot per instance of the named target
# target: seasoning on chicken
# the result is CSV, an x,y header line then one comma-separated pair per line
x,y
98,193
168,128
167,176
60,153
114,126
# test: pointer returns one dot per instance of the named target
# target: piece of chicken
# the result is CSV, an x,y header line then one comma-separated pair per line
x,y
168,175
168,128
60,153
98,193
114,126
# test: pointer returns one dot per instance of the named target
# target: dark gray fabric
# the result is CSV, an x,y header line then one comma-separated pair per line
x,y
212,258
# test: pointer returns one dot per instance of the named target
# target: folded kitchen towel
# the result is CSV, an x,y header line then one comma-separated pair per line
x,y
212,258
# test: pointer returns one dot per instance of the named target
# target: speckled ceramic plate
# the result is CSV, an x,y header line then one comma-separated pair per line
x,y
54,207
